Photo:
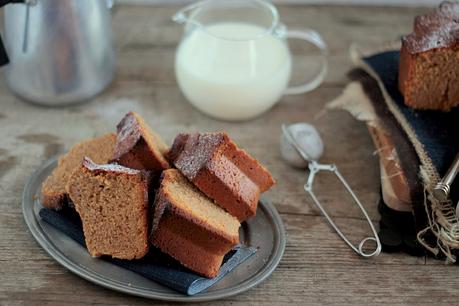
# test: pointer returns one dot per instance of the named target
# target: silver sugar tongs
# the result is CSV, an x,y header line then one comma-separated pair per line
x,y
315,167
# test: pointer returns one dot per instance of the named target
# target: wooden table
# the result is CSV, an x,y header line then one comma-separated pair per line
x,y
317,266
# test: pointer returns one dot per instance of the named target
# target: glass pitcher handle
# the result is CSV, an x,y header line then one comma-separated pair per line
x,y
314,38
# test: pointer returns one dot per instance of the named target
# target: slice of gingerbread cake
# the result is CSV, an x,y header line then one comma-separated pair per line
x,y
429,60
112,202
188,226
100,150
138,146
222,171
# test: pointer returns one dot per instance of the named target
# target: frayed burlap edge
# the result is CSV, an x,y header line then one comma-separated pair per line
x,y
443,222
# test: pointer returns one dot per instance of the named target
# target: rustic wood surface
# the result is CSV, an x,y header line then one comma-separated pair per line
x,y
317,266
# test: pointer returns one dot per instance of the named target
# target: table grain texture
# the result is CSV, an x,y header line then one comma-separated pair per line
x,y
317,266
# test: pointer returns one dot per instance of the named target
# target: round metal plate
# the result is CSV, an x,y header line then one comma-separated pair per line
x,y
265,231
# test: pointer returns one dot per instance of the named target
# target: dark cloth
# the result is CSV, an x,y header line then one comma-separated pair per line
x,y
397,231
409,161
155,265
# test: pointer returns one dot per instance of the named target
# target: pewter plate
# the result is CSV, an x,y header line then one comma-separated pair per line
x,y
265,231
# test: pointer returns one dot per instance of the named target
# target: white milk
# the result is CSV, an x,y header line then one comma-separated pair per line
x,y
228,73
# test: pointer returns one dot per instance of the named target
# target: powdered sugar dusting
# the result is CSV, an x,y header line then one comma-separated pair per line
x,y
449,9
128,134
198,149
439,39
89,164
436,29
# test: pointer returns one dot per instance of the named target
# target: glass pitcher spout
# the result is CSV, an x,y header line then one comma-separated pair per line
x,y
214,11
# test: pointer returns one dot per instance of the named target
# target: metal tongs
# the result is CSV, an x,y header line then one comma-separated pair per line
x,y
314,167
442,189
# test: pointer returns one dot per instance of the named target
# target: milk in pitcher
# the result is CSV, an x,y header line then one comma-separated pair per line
x,y
232,70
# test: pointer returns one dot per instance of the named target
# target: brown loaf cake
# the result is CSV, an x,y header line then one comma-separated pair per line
x,y
190,227
112,202
429,60
99,149
226,174
138,147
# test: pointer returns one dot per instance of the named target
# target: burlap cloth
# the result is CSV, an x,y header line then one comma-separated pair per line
x,y
433,136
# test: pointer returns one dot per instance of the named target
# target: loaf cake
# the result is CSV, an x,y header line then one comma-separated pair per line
x,y
112,202
190,227
138,147
222,171
429,60
99,149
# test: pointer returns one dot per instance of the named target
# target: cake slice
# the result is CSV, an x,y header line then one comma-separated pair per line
x,y
112,202
100,150
429,60
222,171
190,227
138,147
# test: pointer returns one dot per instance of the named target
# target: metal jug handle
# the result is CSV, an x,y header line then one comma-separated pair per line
x,y
5,2
4,59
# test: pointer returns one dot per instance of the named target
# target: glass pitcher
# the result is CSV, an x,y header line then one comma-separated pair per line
x,y
233,62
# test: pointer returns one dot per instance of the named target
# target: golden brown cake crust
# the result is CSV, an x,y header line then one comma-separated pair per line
x,y
99,149
436,29
222,171
429,63
112,202
138,147
196,237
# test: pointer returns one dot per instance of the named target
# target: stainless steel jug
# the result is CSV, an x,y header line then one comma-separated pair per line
x,y
60,51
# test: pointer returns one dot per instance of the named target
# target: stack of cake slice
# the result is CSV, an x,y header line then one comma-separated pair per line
x,y
190,227
226,174
193,216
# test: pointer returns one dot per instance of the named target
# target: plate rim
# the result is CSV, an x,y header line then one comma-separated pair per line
x,y
279,243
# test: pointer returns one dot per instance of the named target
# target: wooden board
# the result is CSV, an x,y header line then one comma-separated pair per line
x,y
317,267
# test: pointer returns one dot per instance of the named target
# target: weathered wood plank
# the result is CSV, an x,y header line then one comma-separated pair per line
x,y
317,266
